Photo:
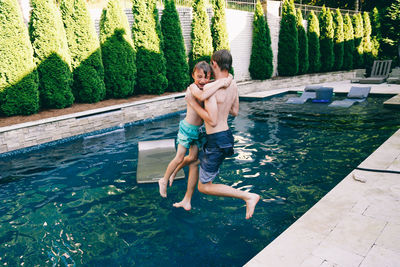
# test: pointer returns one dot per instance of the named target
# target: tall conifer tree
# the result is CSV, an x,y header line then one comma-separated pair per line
x,y
326,39
376,36
338,40
288,45
303,44
84,46
19,93
118,51
358,57
201,35
174,49
150,60
314,54
348,48
367,44
219,32
51,53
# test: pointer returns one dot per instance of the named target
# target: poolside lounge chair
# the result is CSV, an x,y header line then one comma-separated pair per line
x,y
153,160
380,72
359,74
323,95
355,95
308,94
394,76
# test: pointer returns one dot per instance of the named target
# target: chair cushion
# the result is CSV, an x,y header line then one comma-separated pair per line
x,y
358,92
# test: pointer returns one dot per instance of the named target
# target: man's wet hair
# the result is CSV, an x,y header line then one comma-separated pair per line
x,y
202,65
223,58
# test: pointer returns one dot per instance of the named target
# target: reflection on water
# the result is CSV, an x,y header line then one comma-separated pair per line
x,y
78,204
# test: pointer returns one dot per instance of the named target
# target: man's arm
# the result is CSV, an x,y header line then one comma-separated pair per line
x,y
234,111
210,88
209,114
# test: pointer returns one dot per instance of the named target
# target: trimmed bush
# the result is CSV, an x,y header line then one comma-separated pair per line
x,y
174,49
87,65
366,43
150,60
358,57
201,35
326,39
288,45
303,44
338,39
219,32
118,51
51,53
348,48
376,35
19,93
314,54
261,54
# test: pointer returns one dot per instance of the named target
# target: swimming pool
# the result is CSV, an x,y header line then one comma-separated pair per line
x,y
79,202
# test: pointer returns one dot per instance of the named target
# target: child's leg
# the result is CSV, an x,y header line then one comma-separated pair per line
x,y
180,154
192,157
191,185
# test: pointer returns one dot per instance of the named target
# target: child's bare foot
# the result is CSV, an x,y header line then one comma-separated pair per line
x,y
251,205
171,179
163,187
183,204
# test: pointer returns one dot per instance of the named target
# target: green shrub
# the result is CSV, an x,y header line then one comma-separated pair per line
x,y
326,39
174,49
51,53
19,93
150,60
201,35
219,32
390,32
376,35
358,57
303,44
338,39
367,43
348,48
261,54
84,46
118,51
314,54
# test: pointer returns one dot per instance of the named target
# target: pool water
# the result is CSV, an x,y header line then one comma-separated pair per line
x,y
78,203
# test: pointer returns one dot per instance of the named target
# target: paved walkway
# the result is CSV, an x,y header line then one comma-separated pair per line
x,y
357,223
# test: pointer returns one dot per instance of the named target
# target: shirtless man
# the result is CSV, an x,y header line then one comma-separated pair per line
x,y
220,141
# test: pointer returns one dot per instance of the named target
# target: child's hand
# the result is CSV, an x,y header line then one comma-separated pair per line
x,y
228,80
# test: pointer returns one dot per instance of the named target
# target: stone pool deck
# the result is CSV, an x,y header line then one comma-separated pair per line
x,y
358,222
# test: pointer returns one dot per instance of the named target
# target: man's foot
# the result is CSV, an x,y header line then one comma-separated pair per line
x,y
183,204
171,179
251,205
163,187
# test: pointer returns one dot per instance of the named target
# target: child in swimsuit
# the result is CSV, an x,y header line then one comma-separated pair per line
x,y
188,135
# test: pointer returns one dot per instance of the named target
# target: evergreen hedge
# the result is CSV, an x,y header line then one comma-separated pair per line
x,y
338,40
348,48
19,93
118,51
303,44
376,35
326,39
202,48
288,45
314,54
358,57
219,33
367,43
84,46
51,54
150,60
261,54
174,49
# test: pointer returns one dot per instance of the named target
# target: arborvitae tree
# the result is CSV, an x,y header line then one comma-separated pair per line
x,y
288,45
270,56
51,54
338,40
19,93
150,60
314,53
367,44
326,39
84,46
303,44
348,47
219,32
376,36
358,43
260,62
174,49
201,35
118,51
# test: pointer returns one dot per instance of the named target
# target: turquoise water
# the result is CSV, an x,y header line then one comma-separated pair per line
x,y
78,203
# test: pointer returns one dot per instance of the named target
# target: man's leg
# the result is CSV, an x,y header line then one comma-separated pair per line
x,y
192,181
222,190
